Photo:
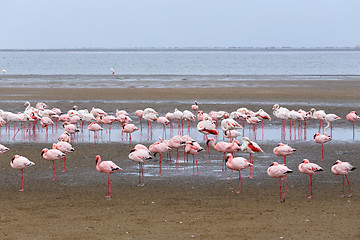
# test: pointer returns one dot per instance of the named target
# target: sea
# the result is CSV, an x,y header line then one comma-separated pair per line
x,y
181,62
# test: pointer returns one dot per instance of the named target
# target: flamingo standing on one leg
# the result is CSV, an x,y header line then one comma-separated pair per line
x,y
281,113
52,155
64,147
283,150
140,156
219,147
20,162
159,147
163,121
237,164
113,73
106,167
352,117
309,168
250,147
277,170
139,114
322,138
343,168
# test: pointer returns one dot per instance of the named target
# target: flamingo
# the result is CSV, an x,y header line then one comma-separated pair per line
x,y
283,150
322,138
3,71
189,117
331,118
250,147
277,170
193,148
309,168
318,115
97,111
129,129
45,122
106,167
3,149
52,155
294,115
178,116
164,121
232,134
194,107
176,142
159,147
237,164
20,162
64,147
140,155
229,124
65,137
139,113
343,168
219,147
207,127
262,115
281,113
94,127
352,117
113,73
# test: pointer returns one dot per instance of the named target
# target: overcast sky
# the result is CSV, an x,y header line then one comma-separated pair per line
x,y
178,23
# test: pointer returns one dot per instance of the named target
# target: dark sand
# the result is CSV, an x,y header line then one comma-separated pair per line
x,y
181,206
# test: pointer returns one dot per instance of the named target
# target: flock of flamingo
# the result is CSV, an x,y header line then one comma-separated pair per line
x,y
230,123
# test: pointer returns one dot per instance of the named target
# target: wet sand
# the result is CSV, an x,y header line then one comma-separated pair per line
x,y
181,205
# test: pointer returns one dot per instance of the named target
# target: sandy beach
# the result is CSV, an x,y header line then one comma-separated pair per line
x,y
179,205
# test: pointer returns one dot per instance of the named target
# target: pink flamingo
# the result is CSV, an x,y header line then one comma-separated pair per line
x,y
281,113
331,118
322,138
139,114
52,155
113,73
140,156
64,147
343,168
318,115
163,121
3,149
65,137
94,127
129,129
107,120
159,147
229,124
194,107
262,115
20,162
193,148
219,147
207,127
237,164
232,134
277,170
97,111
106,167
189,117
309,168
283,150
45,122
250,147
150,117
352,117
176,142
294,115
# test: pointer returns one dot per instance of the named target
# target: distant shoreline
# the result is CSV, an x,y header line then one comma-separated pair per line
x,y
189,49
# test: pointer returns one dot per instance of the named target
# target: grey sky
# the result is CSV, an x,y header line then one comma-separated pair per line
x,y
185,23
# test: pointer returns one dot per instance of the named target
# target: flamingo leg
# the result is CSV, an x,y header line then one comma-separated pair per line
x,y
287,184
193,164
239,182
109,187
322,152
353,130
350,195
280,191
22,181
197,166
64,158
53,170
343,186
160,165
310,187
